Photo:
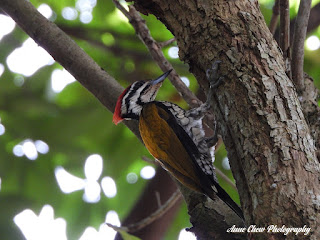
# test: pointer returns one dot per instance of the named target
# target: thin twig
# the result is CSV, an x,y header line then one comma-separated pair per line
x,y
158,198
284,26
115,49
225,178
154,48
285,33
154,216
122,9
299,36
275,16
166,43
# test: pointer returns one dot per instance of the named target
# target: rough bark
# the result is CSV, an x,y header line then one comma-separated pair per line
x,y
65,51
271,151
309,103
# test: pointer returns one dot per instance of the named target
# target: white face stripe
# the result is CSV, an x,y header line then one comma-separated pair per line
x,y
143,94
128,93
135,97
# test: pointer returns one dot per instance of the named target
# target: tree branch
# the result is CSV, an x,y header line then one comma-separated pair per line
x,y
284,27
166,43
300,31
65,51
275,16
313,23
163,184
154,216
79,33
154,48
285,33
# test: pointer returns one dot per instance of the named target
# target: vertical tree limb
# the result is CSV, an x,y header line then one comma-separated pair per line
x,y
299,36
313,23
284,27
275,16
285,33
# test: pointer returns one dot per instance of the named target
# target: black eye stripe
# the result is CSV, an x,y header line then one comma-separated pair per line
x,y
154,93
133,90
143,90
142,93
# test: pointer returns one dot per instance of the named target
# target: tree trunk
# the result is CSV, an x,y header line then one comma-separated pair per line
x,y
270,149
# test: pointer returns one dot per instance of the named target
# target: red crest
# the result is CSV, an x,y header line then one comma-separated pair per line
x,y
117,111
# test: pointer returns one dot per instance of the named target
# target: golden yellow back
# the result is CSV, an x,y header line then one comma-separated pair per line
x,y
164,145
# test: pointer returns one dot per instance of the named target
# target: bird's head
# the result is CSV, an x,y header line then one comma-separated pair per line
x,y
132,99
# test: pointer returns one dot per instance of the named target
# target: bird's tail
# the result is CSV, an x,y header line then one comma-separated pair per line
x,y
224,196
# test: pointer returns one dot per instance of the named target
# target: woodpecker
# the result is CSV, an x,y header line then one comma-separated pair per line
x,y
174,136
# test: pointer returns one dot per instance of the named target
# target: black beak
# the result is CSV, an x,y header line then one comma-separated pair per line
x,y
160,79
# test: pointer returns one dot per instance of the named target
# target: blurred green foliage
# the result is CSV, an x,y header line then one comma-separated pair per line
x,y
75,125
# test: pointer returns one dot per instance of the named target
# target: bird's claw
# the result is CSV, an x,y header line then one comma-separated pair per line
x,y
212,75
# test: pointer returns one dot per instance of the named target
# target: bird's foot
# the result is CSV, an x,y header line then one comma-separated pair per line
x,y
213,76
